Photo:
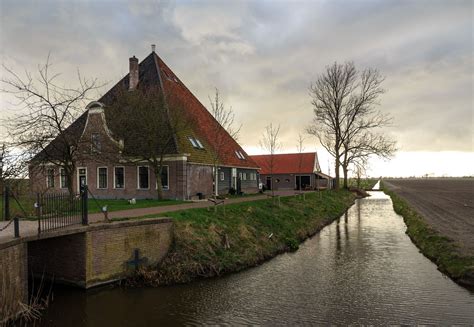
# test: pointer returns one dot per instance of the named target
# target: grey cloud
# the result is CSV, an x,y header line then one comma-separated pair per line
x,y
263,55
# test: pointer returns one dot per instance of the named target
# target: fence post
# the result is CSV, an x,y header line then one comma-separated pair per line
x,y
6,204
38,211
16,227
85,218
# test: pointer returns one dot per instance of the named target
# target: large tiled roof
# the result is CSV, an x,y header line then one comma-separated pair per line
x,y
154,72
288,163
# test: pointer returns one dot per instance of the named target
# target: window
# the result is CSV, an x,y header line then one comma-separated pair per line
x,y
222,176
119,177
239,155
102,177
199,144
165,177
240,176
50,178
95,140
143,177
81,177
277,180
62,180
195,142
244,176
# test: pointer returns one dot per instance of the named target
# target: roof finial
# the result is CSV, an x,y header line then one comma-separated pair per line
x,y
153,46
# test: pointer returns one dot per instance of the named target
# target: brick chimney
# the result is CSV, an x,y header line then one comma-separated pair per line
x,y
133,81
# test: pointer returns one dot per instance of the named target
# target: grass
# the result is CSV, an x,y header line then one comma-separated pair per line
x,y
116,205
438,248
209,244
365,183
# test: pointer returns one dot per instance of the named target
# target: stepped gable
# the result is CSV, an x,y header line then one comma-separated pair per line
x,y
288,163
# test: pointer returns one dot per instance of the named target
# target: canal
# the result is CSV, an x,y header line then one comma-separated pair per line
x,y
361,269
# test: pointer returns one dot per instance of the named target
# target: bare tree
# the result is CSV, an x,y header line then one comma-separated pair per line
x,y
45,110
147,121
300,149
360,148
12,165
344,103
270,143
222,126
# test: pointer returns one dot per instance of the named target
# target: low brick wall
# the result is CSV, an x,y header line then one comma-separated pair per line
x,y
100,253
13,279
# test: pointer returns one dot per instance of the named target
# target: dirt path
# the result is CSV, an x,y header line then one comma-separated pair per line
x,y
447,204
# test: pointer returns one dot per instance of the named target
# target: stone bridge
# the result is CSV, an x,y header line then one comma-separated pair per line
x,y
84,256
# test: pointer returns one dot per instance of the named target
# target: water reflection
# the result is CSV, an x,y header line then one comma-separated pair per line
x,y
361,269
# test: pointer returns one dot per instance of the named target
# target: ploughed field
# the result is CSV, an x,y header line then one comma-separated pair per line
x,y
447,204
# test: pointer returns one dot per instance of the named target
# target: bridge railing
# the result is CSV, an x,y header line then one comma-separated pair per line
x,y
58,210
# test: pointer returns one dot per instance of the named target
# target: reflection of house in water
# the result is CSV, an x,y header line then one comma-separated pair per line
x,y
292,171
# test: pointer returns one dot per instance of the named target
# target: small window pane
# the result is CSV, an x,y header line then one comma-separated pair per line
x,y
164,177
199,144
63,179
193,141
119,177
96,145
50,178
103,177
143,180
222,176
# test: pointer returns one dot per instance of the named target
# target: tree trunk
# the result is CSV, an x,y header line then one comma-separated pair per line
x,y
336,171
345,170
159,186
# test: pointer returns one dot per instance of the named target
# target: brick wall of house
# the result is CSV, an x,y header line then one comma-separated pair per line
x,y
13,279
176,181
199,180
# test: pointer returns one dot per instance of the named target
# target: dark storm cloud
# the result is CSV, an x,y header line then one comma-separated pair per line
x,y
263,55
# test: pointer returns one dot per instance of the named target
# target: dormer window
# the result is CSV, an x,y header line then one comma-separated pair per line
x,y
239,155
195,142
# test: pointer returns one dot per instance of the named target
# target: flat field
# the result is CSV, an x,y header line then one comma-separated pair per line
x,y
447,204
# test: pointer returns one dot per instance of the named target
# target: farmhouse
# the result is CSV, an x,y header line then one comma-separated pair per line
x,y
112,168
292,171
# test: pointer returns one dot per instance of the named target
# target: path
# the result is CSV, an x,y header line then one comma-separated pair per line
x,y
30,228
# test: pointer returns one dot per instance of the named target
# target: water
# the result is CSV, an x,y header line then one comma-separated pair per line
x,y
361,269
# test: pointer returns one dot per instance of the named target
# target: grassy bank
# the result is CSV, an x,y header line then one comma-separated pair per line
x,y
439,249
209,244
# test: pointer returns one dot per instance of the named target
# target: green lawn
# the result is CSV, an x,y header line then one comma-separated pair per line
x,y
116,205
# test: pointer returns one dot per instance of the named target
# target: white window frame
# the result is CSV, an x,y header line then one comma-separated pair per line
x,y
222,176
47,178
165,188
193,142
78,179
138,178
199,143
115,185
106,178
244,176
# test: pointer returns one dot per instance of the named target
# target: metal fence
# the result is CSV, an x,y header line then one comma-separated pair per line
x,y
59,210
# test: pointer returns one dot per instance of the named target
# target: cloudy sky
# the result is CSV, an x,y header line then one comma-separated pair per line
x,y
263,55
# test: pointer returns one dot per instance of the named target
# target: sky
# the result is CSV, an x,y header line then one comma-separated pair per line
x,y
263,56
